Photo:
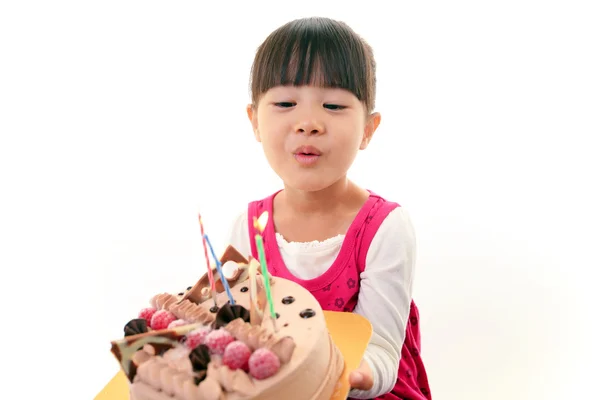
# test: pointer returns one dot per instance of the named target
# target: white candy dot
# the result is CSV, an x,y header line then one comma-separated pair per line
x,y
229,269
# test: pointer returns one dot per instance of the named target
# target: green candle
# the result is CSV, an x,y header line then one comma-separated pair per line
x,y
259,225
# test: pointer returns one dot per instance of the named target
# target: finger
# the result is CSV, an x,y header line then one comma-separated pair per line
x,y
367,381
360,381
356,379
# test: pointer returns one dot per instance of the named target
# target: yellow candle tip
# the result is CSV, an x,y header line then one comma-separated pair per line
x,y
261,222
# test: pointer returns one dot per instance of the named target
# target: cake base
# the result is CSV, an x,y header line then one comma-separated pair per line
x,y
350,332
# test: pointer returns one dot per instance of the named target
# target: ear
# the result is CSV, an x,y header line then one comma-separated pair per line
x,y
253,117
371,126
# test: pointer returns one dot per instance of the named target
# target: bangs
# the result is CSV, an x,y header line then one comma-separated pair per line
x,y
318,52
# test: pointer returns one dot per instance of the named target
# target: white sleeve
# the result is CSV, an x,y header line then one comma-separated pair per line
x,y
384,299
239,236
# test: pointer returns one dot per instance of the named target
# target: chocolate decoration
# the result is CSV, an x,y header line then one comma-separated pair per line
x,y
214,309
244,289
288,300
200,358
189,288
199,377
180,294
308,313
228,313
195,294
161,340
231,254
277,315
135,327
161,348
132,372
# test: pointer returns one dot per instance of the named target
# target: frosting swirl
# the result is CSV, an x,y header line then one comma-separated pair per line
x,y
161,374
255,337
157,373
185,310
231,380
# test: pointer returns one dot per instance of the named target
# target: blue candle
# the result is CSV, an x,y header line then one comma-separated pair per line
x,y
218,265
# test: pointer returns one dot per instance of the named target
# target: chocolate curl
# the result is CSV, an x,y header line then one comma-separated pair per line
x,y
162,340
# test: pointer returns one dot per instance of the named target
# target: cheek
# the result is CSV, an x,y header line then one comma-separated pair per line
x,y
273,146
353,135
272,132
271,140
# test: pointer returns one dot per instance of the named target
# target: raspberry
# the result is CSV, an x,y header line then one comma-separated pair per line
x,y
236,355
177,322
161,320
263,363
195,338
147,314
217,340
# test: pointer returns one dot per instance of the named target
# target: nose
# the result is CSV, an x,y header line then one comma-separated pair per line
x,y
309,126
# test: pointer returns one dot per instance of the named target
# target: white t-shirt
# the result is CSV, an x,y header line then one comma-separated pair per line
x,y
385,292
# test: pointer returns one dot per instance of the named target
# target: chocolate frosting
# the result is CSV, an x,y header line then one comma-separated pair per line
x,y
135,327
200,358
228,313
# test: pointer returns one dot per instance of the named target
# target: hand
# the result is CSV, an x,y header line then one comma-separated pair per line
x,y
362,378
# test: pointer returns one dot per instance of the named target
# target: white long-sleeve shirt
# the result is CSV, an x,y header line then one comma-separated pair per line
x,y
385,291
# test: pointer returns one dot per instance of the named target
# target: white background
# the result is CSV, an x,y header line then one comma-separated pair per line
x,y
119,120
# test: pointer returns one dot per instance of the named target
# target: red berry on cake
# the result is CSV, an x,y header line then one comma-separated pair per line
x,y
236,355
147,313
195,338
263,363
177,322
217,340
161,320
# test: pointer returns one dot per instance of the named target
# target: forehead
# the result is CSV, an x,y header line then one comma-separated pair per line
x,y
310,90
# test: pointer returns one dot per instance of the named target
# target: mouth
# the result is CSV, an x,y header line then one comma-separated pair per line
x,y
307,151
307,155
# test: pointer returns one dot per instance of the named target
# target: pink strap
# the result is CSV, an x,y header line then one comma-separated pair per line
x,y
253,212
378,214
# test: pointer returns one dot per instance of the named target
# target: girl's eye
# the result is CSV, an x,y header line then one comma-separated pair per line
x,y
334,107
284,104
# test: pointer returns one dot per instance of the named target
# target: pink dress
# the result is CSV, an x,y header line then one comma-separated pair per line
x,y
337,289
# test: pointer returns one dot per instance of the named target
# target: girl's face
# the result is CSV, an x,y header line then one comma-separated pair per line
x,y
311,135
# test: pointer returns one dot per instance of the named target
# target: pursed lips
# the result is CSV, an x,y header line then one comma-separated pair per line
x,y
307,155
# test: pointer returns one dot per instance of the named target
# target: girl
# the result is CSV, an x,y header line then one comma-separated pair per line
x,y
313,94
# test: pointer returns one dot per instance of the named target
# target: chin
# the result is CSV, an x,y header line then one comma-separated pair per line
x,y
307,185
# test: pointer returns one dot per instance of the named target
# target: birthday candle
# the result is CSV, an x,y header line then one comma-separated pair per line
x,y
259,225
220,270
210,274
255,314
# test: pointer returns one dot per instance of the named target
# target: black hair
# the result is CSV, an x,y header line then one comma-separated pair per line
x,y
315,51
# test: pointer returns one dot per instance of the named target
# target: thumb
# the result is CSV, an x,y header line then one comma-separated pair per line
x,y
360,381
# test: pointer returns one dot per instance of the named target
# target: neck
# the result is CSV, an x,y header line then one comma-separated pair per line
x,y
320,202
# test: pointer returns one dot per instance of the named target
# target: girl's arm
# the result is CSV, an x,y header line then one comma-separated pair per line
x,y
384,299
